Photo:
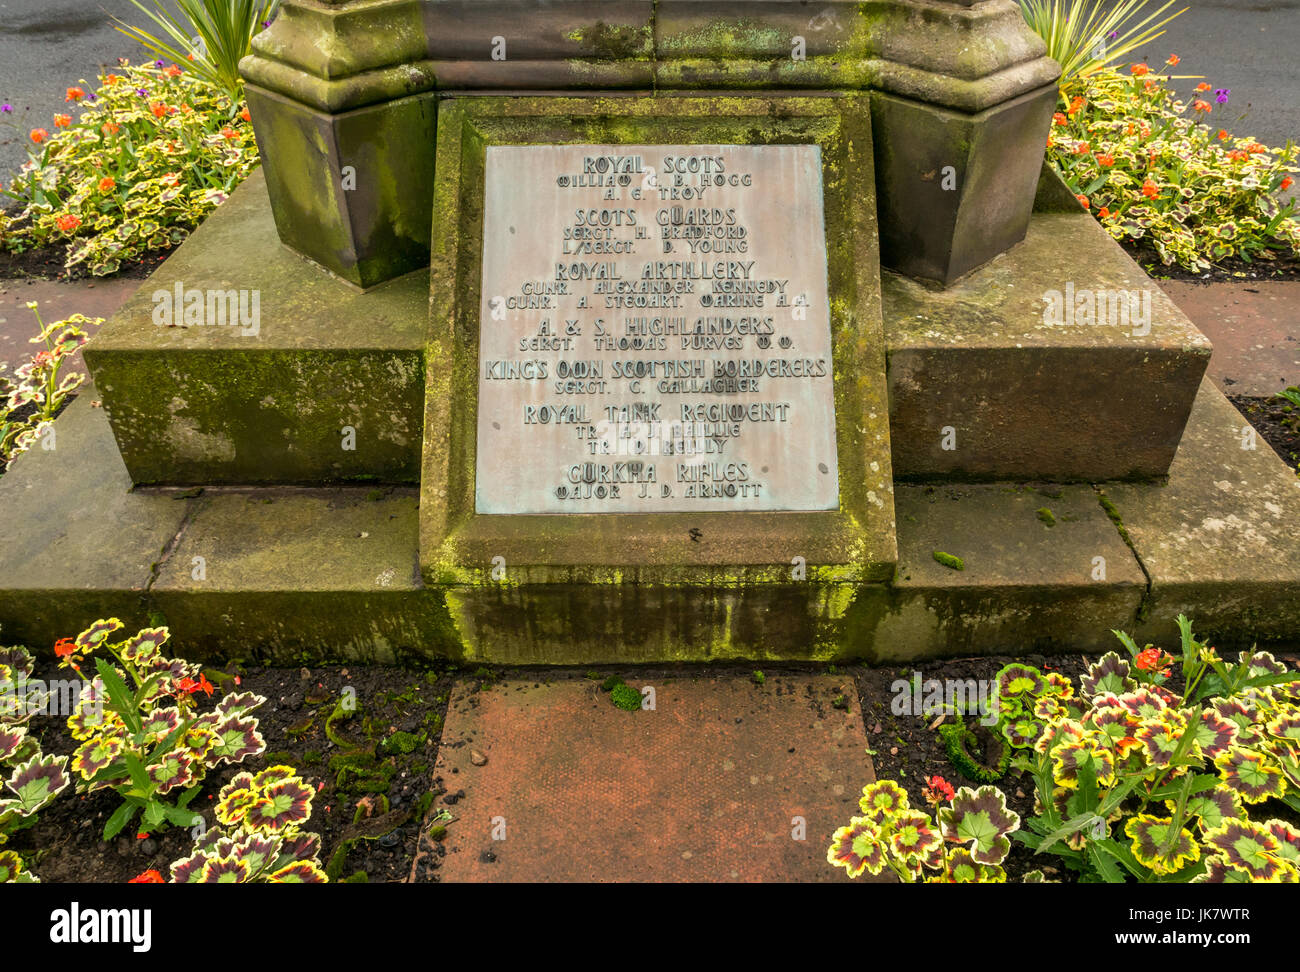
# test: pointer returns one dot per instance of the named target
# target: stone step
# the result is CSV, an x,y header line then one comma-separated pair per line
x,y
205,402
332,573
984,386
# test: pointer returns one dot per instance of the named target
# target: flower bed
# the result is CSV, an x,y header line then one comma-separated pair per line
x,y
1155,172
150,153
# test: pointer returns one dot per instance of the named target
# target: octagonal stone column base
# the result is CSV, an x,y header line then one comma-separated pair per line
x,y
955,189
352,191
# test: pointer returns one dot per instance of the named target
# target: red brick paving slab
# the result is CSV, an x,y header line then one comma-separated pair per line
x,y
704,788
1254,327
57,300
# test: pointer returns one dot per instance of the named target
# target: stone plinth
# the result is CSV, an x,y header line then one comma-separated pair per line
x,y
202,402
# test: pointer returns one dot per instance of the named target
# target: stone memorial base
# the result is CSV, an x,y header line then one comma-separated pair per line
x,y
340,573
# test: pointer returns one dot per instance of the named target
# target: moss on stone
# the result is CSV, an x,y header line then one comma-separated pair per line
x,y
949,561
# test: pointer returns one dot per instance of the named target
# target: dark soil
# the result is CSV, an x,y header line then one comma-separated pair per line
x,y
401,844
47,264
1233,270
1277,421
65,844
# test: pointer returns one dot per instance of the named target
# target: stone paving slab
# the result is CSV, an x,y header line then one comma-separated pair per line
x,y
705,788
1254,327
1221,539
1044,570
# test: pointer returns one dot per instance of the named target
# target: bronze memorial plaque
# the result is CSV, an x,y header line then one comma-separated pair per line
x,y
654,331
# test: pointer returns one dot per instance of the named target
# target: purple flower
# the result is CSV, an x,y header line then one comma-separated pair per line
x,y
157,64
6,108
1112,35
1221,95
142,92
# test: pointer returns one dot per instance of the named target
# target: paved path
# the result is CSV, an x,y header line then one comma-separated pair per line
x,y
710,786
1255,330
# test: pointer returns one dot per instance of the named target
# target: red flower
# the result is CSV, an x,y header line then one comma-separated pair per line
x,y
1105,160
942,787
188,685
141,835
64,647
203,685
245,115
150,876
1150,190
1286,183
75,94
1083,200
67,223
1153,659
1101,214
1059,119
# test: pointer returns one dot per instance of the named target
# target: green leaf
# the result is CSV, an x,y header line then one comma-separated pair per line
x,y
139,776
118,695
121,817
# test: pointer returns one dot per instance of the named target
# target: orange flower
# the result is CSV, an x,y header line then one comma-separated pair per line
x,y
1254,148
110,128
1103,212
111,80
1286,183
158,108
1081,149
39,135
1222,136
1200,105
67,223
62,121
1237,155
64,647
172,71
150,876
229,133
1204,86
1150,190
1076,103
1105,160
170,179
1173,60
75,94
1083,201
248,118
1139,70
1057,119
107,184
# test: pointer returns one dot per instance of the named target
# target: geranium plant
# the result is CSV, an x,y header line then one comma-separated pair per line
x,y
968,845
260,838
31,399
29,779
1132,779
153,150
139,728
